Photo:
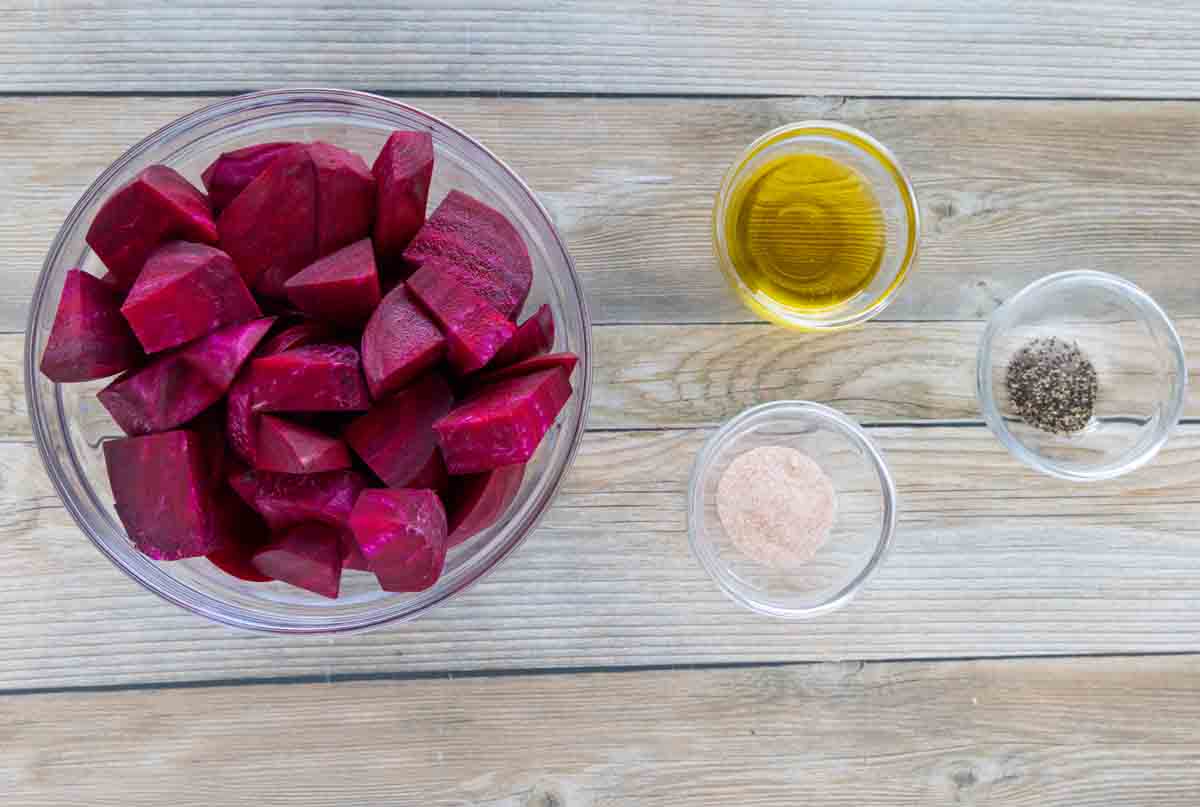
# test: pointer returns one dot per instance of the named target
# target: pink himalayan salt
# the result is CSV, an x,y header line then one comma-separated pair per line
x,y
777,505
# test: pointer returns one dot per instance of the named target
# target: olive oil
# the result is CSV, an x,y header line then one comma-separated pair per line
x,y
806,231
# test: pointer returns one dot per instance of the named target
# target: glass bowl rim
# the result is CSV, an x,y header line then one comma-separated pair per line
x,y
777,411
862,142
1152,312
184,596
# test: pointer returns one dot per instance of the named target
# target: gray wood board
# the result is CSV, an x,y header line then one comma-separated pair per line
x,y
1010,190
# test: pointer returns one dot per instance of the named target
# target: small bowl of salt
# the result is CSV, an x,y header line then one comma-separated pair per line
x,y
791,507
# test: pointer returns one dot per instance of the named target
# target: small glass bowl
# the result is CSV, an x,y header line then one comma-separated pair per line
x,y
863,526
879,169
1140,367
70,425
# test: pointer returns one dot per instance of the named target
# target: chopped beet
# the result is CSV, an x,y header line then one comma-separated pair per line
x,y
178,385
345,197
432,475
533,336
474,330
241,426
402,534
270,228
163,494
485,251
550,361
309,556
229,174
242,532
315,378
352,556
479,500
90,339
400,342
291,448
288,499
184,292
396,439
342,288
301,334
503,424
157,205
402,172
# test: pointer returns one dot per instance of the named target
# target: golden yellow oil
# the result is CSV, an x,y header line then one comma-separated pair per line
x,y
805,230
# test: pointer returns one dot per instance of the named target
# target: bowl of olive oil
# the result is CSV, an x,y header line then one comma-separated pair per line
x,y
816,226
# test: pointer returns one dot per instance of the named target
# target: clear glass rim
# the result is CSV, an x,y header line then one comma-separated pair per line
x,y
783,410
985,390
188,598
869,146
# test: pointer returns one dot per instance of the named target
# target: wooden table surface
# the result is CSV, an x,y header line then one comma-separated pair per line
x,y
1028,642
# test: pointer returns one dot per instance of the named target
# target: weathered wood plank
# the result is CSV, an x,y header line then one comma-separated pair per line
x,y
879,47
650,376
1083,733
990,559
1010,190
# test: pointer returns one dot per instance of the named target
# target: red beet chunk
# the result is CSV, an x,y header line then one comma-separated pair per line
x,y
503,424
479,500
533,336
402,534
345,197
290,448
534,364
402,172
474,330
163,494
486,252
352,556
242,532
157,205
229,174
316,378
396,439
177,386
308,332
400,342
342,288
285,500
90,339
241,427
270,229
185,291
308,556
432,475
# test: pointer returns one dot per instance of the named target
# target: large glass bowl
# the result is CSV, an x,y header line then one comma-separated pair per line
x,y
70,425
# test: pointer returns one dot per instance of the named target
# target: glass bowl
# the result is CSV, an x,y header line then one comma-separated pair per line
x,y
893,191
865,510
1140,368
69,423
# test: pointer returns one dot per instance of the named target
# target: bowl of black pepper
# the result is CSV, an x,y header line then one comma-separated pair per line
x,y
1082,376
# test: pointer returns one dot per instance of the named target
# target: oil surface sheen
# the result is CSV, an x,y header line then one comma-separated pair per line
x,y
805,230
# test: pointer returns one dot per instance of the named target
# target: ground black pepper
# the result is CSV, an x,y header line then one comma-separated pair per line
x,y
1052,385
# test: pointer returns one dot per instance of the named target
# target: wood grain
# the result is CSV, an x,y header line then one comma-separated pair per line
x,y
989,560
701,375
1010,190
1083,733
873,47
